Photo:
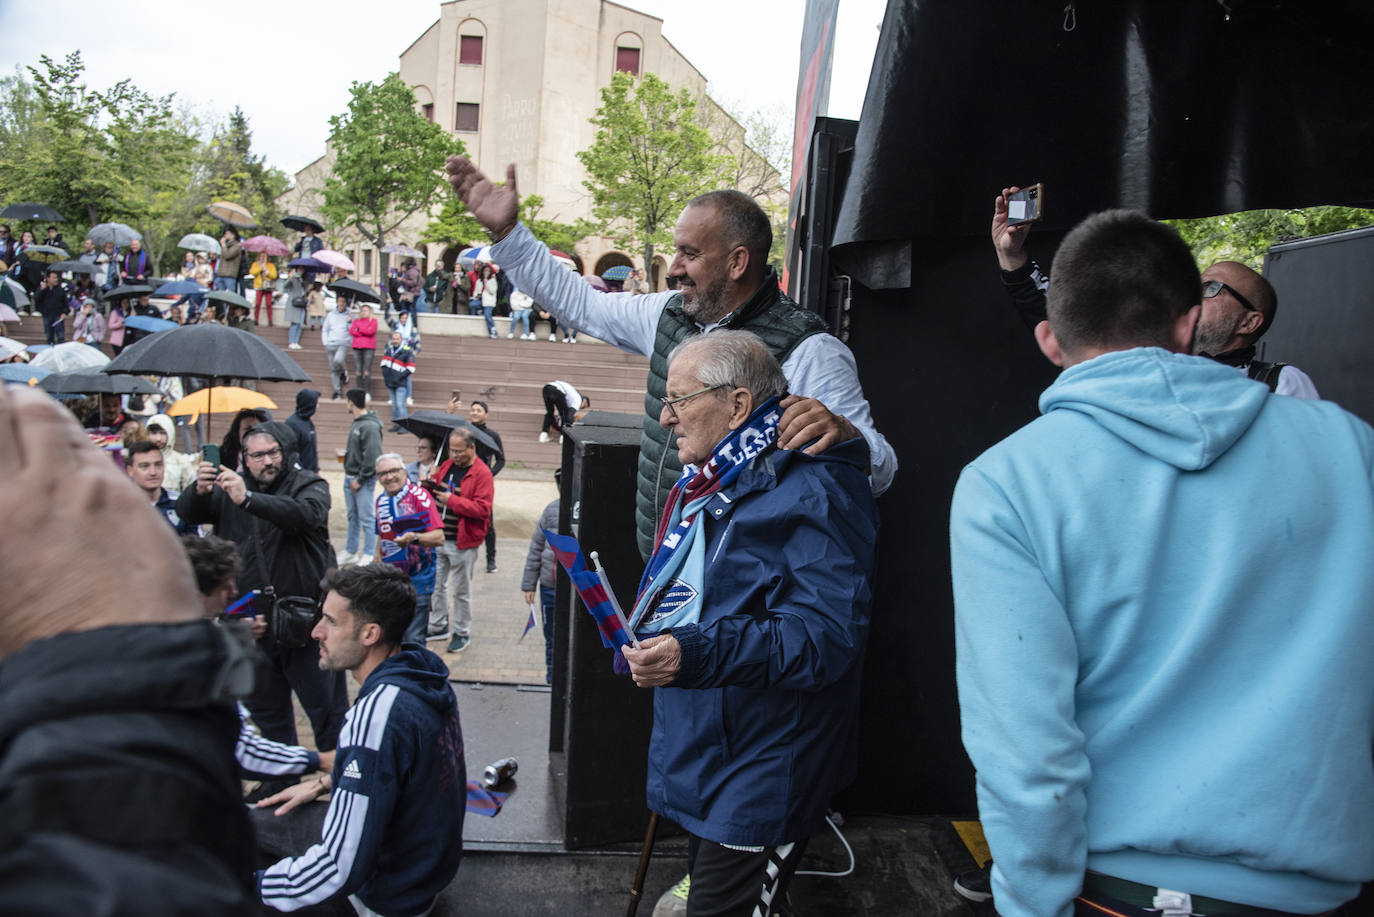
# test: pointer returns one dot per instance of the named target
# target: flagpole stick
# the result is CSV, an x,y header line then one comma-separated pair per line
x,y
637,891
610,593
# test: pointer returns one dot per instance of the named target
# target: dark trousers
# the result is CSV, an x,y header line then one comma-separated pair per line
x,y
490,539
733,883
54,330
557,414
323,696
546,597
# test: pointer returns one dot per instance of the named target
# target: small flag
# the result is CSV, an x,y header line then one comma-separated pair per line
x,y
482,801
615,630
529,625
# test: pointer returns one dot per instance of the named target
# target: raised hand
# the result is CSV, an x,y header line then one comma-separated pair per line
x,y
1010,241
494,206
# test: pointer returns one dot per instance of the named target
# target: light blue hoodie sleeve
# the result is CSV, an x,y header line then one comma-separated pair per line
x,y
1019,731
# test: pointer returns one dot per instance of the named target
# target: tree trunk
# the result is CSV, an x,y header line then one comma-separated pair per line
x,y
649,262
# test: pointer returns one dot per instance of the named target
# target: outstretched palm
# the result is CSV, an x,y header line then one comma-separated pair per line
x,y
494,206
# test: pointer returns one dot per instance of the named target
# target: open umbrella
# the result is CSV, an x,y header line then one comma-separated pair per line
x,y
23,373
9,347
45,253
228,297
72,355
148,324
563,259
437,424
354,290
226,399
129,289
468,256
617,273
199,242
94,382
76,267
231,213
596,283
12,293
309,264
179,288
211,350
31,212
8,314
334,259
273,247
121,234
301,223
403,250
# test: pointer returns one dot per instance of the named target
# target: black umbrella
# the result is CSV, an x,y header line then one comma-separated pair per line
x,y
355,290
129,289
31,212
92,382
229,297
437,425
76,267
301,224
211,350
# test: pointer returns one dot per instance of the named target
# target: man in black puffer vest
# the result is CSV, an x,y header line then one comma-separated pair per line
x,y
723,280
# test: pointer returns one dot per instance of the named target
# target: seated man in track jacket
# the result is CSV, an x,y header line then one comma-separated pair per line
x,y
392,837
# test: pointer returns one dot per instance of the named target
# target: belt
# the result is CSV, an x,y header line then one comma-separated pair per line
x,y
1143,896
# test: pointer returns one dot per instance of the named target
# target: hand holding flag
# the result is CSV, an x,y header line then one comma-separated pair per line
x,y
594,590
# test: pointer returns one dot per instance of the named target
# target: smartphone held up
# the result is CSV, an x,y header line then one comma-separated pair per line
x,y
1026,205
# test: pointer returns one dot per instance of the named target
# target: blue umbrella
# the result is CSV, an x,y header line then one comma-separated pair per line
x,y
179,288
22,372
310,264
149,324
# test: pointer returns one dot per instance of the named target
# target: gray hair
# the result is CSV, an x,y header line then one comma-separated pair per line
x,y
735,358
389,455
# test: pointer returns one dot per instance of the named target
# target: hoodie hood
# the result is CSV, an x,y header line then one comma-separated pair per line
x,y
1183,410
286,438
165,422
307,399
416,671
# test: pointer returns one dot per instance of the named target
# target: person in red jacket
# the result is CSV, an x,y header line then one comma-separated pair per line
x,y
463,488
363,330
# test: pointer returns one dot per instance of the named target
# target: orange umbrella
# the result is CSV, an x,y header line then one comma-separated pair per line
x,y
222,399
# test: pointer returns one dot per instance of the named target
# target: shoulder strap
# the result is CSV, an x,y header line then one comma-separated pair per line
x,y
1268,373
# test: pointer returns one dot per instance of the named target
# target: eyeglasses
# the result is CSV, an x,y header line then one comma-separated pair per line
x,y
265,454
1213,287
390,471
670,403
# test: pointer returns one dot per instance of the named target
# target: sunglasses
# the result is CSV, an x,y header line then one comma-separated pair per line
x,y
1213,287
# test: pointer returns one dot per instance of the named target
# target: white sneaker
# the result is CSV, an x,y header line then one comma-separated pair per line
x,y
509,335
344,559
543,437
293,346
410,402
552,338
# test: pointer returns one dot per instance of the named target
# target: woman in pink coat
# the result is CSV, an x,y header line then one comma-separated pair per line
x,y
363,329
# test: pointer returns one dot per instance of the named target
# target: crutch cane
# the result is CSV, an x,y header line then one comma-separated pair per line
x,y
638,891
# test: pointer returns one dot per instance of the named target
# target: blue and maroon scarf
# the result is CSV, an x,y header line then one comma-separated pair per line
x,y
671,587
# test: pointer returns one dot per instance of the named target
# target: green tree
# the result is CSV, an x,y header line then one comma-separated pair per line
x,y
1246,236
651,155
389,160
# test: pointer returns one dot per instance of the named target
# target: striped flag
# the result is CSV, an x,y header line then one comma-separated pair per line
x,y
482,801
529,625
615,631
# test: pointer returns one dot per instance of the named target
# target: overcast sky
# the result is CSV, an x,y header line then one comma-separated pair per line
x,y
290,70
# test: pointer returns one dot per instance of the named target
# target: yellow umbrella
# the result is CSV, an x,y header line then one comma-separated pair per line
x,y
222,399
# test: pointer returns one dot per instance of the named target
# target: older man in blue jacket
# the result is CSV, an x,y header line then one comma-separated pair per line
x,y
758,590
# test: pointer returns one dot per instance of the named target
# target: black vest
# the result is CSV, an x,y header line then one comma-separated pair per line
x,y
770,314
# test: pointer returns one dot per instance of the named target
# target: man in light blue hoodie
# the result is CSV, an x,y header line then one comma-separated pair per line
x,y
1164,612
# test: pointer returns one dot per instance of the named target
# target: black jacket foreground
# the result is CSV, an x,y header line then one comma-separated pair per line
x,y
119,793
288,519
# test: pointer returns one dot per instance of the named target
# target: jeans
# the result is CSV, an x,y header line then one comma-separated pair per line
x,y
293,334
520,317
491,322
475,306
398,402
338,366
416,630
362,365
546,596
410,385
453,589
422,303
226,283
362,515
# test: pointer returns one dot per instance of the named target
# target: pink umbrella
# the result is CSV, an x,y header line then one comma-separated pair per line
x,y
334,259
274,247
7,314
